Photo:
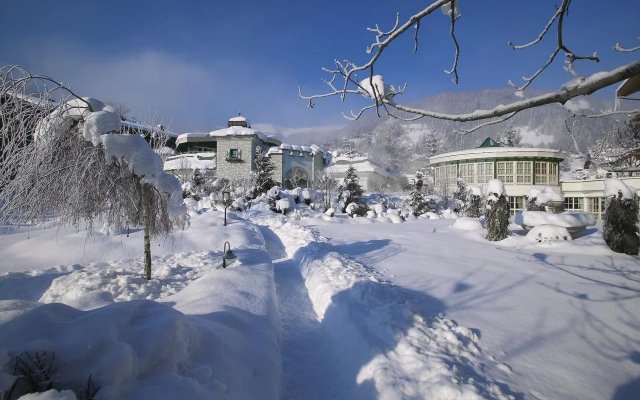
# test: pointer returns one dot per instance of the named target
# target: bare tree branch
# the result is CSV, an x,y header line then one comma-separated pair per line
x,y
386,98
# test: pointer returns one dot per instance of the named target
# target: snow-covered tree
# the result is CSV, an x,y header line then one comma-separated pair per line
x,y
497,211
417,200
620,148
62,157
430,144
389,143
474,206
511,138
263,175
461,195
620,227
349,78
326,185
351,191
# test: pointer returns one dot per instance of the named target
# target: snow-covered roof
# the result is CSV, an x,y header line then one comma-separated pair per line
x,y
242,131
239,118
132,123
291,148
201,161
361,164
496,152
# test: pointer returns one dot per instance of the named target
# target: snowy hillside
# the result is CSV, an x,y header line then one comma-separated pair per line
x,y
539,127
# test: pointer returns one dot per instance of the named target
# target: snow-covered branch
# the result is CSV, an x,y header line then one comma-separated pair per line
x,y
620,48
344,81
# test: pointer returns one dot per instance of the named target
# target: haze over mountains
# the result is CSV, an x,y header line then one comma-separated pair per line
x,y
539,127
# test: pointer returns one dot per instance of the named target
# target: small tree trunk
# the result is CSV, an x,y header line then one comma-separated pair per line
x,y
147,238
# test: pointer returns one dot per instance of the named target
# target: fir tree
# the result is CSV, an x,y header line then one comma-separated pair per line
x,y
263,173
621,225
532,205
461,194
351,191
417,202
497,216
473,207
511,138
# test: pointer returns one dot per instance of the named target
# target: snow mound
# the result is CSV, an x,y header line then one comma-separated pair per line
x,y
404,354
567,219
548,233
613,186
467,224
547,195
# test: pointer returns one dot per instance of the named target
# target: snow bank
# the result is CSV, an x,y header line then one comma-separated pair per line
x,y
548,233
613,186
467,224
215,334
377,337
567,219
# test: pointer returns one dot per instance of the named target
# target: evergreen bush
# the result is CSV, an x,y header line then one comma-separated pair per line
x,y
620,230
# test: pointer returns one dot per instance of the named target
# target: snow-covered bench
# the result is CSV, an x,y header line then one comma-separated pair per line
x,y
574,221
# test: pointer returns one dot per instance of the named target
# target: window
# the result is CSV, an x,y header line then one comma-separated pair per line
x,y
233,154
553,173
523,172
595,205
516,203
467,172
541,171
485,172
573,203
505,171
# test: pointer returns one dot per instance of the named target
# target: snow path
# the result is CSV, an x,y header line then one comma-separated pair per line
x,y
347,334
303,340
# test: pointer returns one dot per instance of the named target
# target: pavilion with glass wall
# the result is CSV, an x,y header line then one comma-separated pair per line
x,y
519,168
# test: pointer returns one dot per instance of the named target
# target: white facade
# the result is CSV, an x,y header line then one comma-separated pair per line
x,y
519,168
230,153
371,176
588,195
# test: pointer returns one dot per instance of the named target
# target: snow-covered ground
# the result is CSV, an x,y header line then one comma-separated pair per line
x,y
324,308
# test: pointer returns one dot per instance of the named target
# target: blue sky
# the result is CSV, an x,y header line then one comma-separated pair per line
x,y
195,63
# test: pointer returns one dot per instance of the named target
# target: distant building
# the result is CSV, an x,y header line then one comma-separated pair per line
x,y
230,153
372,176
519,168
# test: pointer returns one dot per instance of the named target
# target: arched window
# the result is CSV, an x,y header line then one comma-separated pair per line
x,y
296,177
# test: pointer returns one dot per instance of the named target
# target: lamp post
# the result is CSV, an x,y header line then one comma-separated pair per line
x,y
226,200
227,256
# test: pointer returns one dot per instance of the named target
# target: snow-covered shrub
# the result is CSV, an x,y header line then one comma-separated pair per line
x,y
283,205
547,233
620,230
263,176
350,191
538,200
307,196
379,208
497,211
467,224
355,209
460,197
330,212
473,208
